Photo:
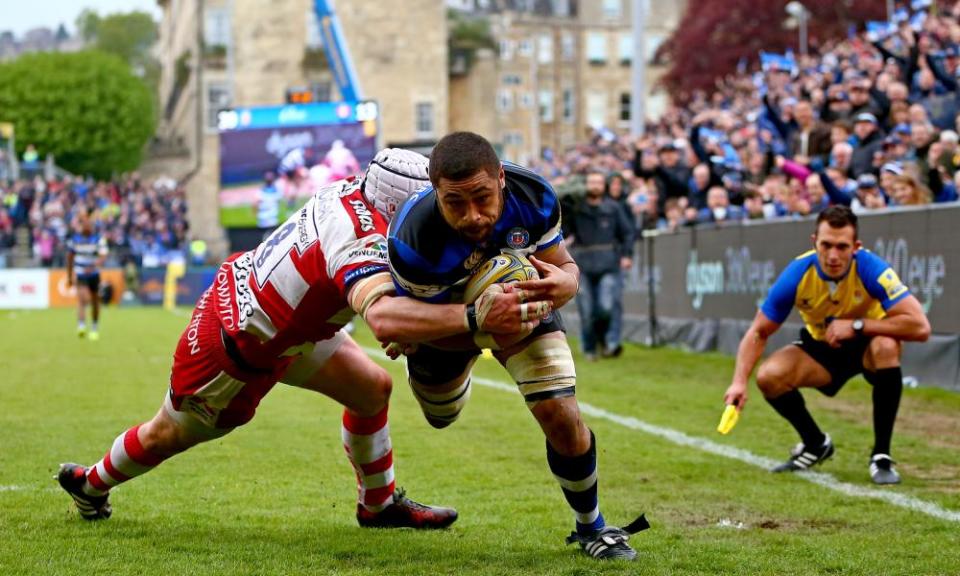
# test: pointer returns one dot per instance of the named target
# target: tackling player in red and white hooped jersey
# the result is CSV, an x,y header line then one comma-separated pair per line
x,y
274,314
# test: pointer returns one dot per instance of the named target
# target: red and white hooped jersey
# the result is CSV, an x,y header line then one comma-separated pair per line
x,y
292,289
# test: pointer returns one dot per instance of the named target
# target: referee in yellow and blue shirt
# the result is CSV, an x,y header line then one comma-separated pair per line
x,y
856,312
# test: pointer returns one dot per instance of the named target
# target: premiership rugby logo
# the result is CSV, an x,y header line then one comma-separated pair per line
x,y
518,238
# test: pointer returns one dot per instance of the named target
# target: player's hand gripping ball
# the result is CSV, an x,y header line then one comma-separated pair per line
x,y
501,269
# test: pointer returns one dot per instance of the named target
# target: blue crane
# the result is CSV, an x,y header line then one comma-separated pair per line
x,y
338,54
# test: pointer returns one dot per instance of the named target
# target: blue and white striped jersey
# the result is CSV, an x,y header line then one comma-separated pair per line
x,y
86,250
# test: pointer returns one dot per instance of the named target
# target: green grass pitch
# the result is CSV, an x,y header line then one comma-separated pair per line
x,y
278,496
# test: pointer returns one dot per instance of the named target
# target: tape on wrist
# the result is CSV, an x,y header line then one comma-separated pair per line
x,y
471,318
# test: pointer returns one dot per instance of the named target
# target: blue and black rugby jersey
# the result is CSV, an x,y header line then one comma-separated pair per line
x,y
868,290
428,257
86,250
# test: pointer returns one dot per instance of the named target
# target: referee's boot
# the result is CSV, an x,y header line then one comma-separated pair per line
x,y
802,457
882,470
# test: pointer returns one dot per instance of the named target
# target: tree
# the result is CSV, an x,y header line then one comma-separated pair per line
x,y
128,35
714,35
466,36
88,22
86,108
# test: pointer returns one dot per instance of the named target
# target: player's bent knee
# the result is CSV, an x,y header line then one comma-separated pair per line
x,y
375,395
543,370
561,423
441,406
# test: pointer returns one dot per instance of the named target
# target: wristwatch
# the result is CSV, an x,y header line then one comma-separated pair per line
x,y
858,326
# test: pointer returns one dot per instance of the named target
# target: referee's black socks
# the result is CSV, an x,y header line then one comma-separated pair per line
x,y
887,389
792,407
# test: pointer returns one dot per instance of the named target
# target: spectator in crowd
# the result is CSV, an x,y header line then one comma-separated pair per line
x,y
601,240
673,219
718,209
869,196
869,141
30,164
666,169
699,184
643,202
617,190
125,211
883,101
908,191
811,138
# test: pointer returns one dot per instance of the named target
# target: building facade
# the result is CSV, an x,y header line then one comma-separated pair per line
x,y
562,69
219,54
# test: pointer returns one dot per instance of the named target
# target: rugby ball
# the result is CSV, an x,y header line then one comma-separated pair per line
x,y
501,269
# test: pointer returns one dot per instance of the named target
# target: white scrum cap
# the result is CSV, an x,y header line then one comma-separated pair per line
x,y
393,175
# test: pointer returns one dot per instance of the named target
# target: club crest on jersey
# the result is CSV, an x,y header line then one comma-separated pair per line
x,y
518,238
473,260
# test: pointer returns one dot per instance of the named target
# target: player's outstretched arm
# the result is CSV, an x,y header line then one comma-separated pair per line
x,y
402,319
748,354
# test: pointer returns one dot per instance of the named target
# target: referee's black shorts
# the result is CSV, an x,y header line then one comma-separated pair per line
x,y
842,363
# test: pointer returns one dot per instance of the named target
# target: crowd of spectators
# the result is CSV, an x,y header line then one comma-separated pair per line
x,y
870,121
143,222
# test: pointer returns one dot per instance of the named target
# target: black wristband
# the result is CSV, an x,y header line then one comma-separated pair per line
x,y
472,318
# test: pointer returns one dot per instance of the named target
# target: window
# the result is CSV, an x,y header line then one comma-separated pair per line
x,y
216,27
506,50
568,105
511,80
568,46
504,100
561,8
545,49
218,97
596,108
546,105
513,139
314,38
526,100
653,42
525,48
424,120
626,48
322,91
596,48
656,104
625,107
612,9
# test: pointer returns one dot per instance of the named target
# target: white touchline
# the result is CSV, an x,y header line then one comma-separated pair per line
x,y
679,438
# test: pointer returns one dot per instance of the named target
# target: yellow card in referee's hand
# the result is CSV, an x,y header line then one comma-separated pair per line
x,y
729,419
